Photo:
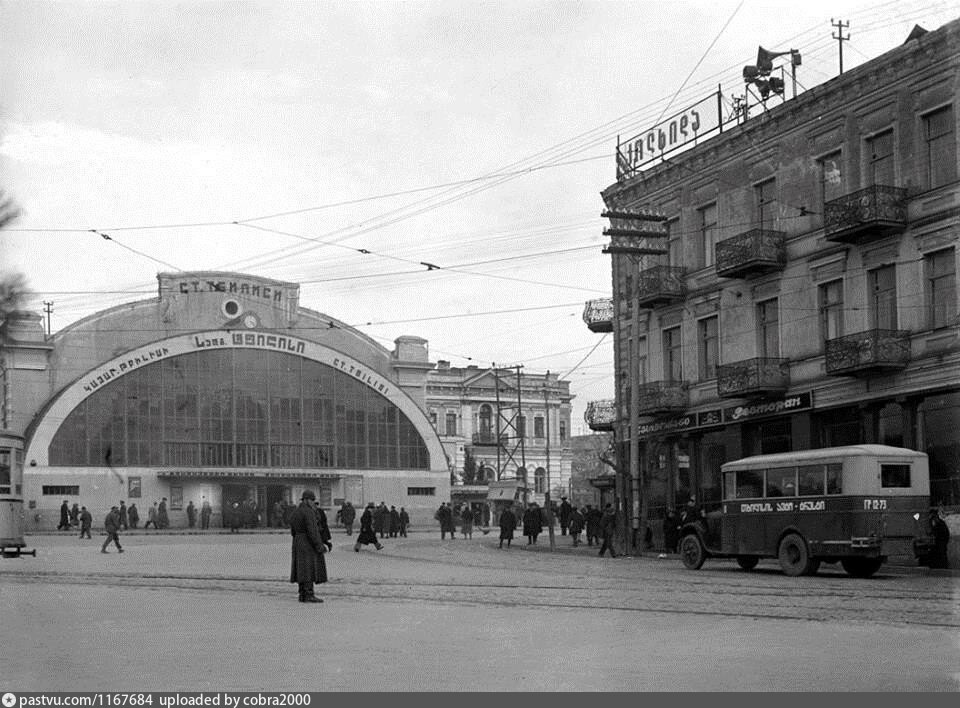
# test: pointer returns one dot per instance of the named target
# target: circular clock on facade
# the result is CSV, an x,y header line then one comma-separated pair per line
x,y
250,321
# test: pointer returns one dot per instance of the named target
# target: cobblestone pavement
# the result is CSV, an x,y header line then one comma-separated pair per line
x,y
183,596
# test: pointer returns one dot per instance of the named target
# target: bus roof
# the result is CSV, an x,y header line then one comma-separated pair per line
x,y
823,454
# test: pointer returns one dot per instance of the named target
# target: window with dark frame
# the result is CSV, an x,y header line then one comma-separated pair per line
x,y
709,347
831,177
883,297
708,236
941,270
672,361
421,491
60,490
765,196
450,421
538,426
894,476
880,157
768,328
941,147
830,304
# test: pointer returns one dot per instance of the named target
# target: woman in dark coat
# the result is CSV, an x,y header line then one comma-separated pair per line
x,y
367,534
508,523
307,565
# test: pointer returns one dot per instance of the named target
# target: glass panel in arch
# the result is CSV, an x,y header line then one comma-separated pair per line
x,y
69,444
285,409
250,381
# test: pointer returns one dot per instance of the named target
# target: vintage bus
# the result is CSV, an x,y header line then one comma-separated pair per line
x,y
854,505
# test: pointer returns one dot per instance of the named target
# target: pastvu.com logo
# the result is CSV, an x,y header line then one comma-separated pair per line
x,y
9,700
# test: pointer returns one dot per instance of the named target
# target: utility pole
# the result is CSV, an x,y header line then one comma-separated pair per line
x,y
549,507
841,26
48,308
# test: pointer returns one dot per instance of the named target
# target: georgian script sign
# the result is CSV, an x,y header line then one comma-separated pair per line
x,y
696,122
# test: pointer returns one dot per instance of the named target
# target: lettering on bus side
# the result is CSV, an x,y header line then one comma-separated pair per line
x,y
819,505
874,504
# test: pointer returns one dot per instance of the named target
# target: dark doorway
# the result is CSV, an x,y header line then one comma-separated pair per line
x,y
234,498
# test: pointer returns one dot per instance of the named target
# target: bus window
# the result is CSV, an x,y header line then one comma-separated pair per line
x,y
811,481
749,484
894,476
782,482
834,480
5,472
730,485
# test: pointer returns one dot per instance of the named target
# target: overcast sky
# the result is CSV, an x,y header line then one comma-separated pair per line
x,y
475,136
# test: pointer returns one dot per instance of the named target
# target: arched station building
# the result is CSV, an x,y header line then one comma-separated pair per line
x,y
221,388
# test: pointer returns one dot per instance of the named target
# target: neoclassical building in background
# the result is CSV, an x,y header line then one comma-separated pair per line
x,y
221,388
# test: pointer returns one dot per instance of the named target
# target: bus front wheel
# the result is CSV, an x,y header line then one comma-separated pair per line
x,y
795,557
692,552
747,562
861,567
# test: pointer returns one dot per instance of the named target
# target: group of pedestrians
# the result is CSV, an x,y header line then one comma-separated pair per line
x,y
385,522
597,524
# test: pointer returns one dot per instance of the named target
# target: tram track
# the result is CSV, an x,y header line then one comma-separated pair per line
x,y
827,604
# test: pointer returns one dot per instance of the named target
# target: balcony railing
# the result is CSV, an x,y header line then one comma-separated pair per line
x,y
756,251
867,352
660,285
598,314
489,438
601,415
662,397
866,215
753,377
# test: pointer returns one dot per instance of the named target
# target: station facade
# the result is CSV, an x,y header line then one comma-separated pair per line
x,y
221,389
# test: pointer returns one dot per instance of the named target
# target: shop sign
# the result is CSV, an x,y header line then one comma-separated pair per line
x,y
797,402
668,425
707,418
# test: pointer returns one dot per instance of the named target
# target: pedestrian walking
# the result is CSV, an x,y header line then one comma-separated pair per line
x,y
205,511
64,516
565,510
608,527
75,514
941,540
133,516
307,565
466,519
532,523
111,525
445,516
346,516
394,522
163,519
576,522
123,515
151,517
236,516
592,518
508,524
367,535
191,514
86,521
404,522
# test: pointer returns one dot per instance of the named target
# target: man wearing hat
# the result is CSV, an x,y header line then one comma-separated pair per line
x,y
307,565
111,524
565,510
367,534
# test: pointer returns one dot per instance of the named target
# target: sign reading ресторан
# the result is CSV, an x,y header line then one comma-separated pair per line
x,y
716,416
797,402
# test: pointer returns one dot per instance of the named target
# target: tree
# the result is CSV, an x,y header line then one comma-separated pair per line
x,y
469,468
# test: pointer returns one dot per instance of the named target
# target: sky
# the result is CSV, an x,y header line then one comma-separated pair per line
x,y
419,168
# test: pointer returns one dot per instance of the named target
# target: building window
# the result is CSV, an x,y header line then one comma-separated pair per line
x,y
941,143
176,498
880,155
485,415
60,490
941,269
539,480
674,243
883,298
421,491
709,347
830,304
831,177
538,426
521,426
451,424
563,430
672,363
708,236
765,195
5,475
768,328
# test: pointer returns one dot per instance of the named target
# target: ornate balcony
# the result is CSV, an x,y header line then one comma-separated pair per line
x,y
660,285
753,377
488,439
601,415
598,314
662,398
754,252
866,215
875,350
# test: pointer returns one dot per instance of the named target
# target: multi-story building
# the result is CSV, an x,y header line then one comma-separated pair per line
x,y
501,423
795,285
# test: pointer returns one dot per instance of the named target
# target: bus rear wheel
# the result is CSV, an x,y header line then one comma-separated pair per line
x,y
794,556
692,552
747,562
861,567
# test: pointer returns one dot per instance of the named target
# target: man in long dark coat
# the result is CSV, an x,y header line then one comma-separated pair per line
x,y
532,523
163,519
367,534
64,516
347,516
592,518
608,527
123,515
508,524
565,510
111,525
307,565
576,525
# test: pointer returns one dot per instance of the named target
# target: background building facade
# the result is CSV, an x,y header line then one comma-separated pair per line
x,y
807,293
